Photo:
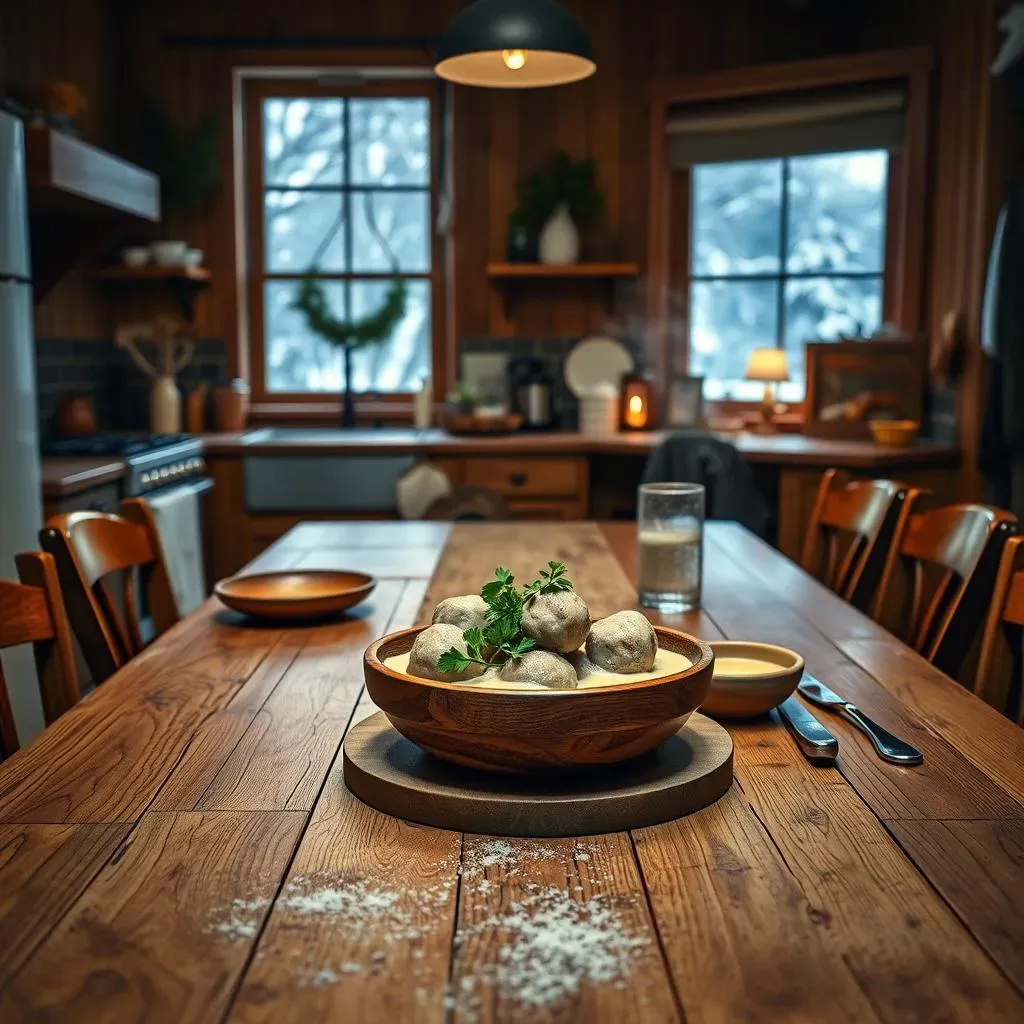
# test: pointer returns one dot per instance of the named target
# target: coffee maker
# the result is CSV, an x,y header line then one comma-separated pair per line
x,y
532,391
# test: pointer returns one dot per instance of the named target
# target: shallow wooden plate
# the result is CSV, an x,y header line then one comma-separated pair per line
x,y
543,730
751,695
295,594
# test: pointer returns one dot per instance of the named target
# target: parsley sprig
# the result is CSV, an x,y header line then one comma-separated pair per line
x,y
502,638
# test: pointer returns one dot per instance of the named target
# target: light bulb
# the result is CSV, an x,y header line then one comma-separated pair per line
x,y
514,59
636,404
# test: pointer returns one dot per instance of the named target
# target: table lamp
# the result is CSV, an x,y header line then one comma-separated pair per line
x,y
768,365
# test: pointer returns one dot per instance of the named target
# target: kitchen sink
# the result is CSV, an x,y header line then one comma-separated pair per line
x,y
328,436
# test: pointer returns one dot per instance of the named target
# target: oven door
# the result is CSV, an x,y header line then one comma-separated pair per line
x,y
178,513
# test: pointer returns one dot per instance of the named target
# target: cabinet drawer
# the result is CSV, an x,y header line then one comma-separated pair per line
x,y
551,478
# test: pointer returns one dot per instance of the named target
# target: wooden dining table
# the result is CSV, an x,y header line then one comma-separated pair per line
x,y
181,846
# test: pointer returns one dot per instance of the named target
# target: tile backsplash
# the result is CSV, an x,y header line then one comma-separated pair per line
x,y
119,389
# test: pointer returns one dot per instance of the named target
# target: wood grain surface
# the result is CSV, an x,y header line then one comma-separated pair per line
x,y
181,845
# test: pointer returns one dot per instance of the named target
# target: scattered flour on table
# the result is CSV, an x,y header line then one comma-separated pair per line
x,y
240,920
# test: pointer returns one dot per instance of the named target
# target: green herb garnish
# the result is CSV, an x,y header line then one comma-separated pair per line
x,y
502,638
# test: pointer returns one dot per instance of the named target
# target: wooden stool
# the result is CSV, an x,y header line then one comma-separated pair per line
x,y
89,547
850,526
32,612
953,552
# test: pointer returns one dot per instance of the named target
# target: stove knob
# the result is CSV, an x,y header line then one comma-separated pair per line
x,y
145,479
163,473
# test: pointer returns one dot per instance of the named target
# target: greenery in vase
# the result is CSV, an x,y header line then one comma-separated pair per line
x,y
564,180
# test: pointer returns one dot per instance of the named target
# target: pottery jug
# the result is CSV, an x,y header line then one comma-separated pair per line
x,y
164,405
559,238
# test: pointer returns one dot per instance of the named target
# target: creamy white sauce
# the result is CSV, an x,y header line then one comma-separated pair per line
x,y
666,663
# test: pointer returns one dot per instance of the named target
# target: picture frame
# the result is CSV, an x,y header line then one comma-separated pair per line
x,y
684,402
851,382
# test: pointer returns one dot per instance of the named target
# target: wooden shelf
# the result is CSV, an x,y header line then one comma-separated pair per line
x,y
196,275
184,282
499,271
513,278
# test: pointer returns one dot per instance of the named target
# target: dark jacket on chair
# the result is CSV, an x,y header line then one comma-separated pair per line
x,y
692,456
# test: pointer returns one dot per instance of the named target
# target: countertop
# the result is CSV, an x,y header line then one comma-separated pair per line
x,y
66,476
788,449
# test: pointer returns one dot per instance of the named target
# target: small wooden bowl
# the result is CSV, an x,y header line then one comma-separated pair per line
x,y
470,424
296,594
735,695
894,433
524,731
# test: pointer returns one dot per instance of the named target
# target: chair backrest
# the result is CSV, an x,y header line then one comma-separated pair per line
x,y
94,552
941,552
31,612
1003,637
849,525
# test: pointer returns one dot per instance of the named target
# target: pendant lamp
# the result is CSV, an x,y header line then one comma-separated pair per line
x,y
514,44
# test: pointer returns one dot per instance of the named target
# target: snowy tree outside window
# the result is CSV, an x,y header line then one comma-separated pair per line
x,y
783,252
331,168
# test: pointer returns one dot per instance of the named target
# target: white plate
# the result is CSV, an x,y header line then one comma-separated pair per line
x,y
594,362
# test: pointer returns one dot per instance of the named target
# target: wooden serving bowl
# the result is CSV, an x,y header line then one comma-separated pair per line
x,y
537,731
296,593
893,433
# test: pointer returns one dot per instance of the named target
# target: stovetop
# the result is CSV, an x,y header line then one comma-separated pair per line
x,y
123,445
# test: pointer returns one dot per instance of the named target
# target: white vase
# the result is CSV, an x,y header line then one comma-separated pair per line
x,y
559,239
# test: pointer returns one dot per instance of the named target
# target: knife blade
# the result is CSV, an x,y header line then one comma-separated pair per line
x,y
814,740
890,748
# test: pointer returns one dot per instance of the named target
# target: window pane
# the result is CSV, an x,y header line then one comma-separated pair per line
x,y
825,309
736,223
297,360
302,142
390,141
401,363
727,320
403,218
837,212
297,224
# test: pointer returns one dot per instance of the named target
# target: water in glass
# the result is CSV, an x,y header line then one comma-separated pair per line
x,y
670,532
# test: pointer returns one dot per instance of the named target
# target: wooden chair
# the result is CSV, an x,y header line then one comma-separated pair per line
x,y
93,549
953,552
1004,636
32,612
850,526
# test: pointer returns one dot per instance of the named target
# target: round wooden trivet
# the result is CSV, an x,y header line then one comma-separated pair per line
x,y
687,772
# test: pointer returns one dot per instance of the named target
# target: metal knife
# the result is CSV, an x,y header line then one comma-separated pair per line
x,y
813,739
890,748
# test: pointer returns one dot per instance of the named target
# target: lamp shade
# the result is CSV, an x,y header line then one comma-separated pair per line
x,y
768,364
514,44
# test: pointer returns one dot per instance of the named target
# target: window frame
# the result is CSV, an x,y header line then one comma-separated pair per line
x,y
783,275
255,87
668,242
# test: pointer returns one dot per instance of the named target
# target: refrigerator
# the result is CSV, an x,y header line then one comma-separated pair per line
x,y
21,513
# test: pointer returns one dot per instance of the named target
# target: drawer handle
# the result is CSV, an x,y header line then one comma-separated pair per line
x,y
517,479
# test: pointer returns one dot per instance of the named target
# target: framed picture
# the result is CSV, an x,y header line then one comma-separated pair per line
x,y
684,403
850,383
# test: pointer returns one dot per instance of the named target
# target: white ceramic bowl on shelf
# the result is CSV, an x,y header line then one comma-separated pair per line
x,y
193,258
135,256
168,254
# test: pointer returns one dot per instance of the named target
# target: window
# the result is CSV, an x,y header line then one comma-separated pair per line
x,y
343,181
783,251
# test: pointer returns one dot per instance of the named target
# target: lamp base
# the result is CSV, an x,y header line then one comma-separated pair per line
x,y
767,424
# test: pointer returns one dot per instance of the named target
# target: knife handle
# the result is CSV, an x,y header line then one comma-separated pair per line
x,y
890,748
814,740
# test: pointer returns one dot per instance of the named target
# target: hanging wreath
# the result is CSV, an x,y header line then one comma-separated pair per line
x,y
371,329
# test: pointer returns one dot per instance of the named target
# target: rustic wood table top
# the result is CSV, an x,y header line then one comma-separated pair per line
x,y
180,846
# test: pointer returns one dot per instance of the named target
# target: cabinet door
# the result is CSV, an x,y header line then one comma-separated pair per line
x,y
528,477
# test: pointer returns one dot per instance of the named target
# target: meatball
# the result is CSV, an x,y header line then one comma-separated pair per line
x,y
542,668
623,642
466,612
558,622
428,648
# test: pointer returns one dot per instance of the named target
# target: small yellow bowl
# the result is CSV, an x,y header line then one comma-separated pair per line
x,y
894,433
750,678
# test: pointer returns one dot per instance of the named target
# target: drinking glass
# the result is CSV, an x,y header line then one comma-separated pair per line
x,y
670,545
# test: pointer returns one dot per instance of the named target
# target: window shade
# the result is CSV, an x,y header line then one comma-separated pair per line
x,y
794,124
